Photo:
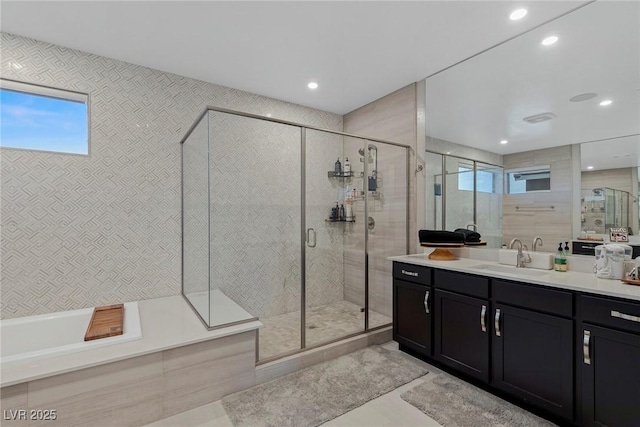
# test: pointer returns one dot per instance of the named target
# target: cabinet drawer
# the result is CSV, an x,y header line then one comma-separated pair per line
x,y
412,273
462,283
617,314
540,299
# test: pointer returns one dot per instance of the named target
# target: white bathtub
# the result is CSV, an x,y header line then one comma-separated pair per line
x,y
33,338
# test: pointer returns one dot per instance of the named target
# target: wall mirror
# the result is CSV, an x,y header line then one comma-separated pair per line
x,y
571,108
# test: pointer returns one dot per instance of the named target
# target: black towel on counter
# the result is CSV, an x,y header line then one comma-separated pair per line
x,y
469,235
440,236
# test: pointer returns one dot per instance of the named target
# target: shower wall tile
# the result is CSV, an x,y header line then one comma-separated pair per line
x,y
391,118
80,231
195,199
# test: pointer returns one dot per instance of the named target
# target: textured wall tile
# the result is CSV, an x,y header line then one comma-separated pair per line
x,y
81,231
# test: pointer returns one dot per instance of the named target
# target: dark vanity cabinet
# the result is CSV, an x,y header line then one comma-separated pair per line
x,y
610,362
412,313
461,323
573,355
533,349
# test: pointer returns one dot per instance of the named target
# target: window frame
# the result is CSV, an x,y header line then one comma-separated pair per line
x,y
528,169
50,92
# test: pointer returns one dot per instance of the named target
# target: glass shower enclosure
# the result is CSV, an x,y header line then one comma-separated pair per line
x,y
467,195
261,238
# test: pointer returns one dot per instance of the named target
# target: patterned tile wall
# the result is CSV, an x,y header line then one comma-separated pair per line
x,y
195,160
80,231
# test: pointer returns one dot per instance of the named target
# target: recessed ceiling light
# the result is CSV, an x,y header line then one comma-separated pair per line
x,y
606,102
589,167
448,152
312,85
504,141
518,14
583,97
550,40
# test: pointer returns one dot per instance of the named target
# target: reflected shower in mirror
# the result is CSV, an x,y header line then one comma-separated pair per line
x,y
526,106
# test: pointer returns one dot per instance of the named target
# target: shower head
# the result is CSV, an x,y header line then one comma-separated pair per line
x,y
361,151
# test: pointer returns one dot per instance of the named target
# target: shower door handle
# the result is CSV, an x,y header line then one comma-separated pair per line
x,y
309,231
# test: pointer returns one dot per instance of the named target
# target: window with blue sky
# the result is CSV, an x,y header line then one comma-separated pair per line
x,y
46,119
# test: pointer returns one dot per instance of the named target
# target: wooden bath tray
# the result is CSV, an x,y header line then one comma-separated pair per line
x,y
631,282
106,321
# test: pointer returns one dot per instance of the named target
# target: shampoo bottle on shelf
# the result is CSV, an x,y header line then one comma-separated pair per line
x,y
338,167
348,210
347,166
567,251
560,261
342,213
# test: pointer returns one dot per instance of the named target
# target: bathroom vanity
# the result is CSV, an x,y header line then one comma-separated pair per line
x,y
565,343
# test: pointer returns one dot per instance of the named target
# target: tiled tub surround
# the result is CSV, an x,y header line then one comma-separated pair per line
x,y
109,222
178,365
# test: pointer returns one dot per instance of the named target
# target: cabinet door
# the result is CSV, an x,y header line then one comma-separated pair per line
x,y
533,358
412,316
610,377
461,333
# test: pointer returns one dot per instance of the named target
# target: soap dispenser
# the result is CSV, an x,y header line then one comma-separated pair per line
x,y
560,261
347,166
338,167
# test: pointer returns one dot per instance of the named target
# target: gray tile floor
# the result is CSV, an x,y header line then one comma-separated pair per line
x,y
281,334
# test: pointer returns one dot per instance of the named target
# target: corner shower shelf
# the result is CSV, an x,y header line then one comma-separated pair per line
x,y
333,174
339,220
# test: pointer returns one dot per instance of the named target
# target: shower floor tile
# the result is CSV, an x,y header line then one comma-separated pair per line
x,y
281,334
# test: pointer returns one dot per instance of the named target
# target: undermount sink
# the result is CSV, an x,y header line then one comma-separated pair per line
x,y
511,270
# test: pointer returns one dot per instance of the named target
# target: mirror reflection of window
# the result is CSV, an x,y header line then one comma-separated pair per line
x,y
528,180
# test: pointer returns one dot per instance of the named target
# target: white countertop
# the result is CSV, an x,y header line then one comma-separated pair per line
x,y
571,280
166,323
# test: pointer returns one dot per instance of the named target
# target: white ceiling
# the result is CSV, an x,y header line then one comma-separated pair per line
x,y
611,154
483,100
357,51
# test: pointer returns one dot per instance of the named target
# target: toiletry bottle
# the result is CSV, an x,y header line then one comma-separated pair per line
x,y
338,167
347,166
342,213
567,251
560,261
337,214
355,194
348,210
332,215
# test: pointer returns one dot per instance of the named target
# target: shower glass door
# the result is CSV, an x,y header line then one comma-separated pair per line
x,y
387,225
489,203
459,183
255,205
334,260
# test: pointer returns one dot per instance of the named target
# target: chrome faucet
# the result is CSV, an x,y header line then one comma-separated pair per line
x,y
522,257
475,227
535,243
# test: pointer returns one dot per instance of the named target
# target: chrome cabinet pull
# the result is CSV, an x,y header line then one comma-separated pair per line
x,y
483,316
426,302
309,231
409,273
497,322
585,347
623,316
